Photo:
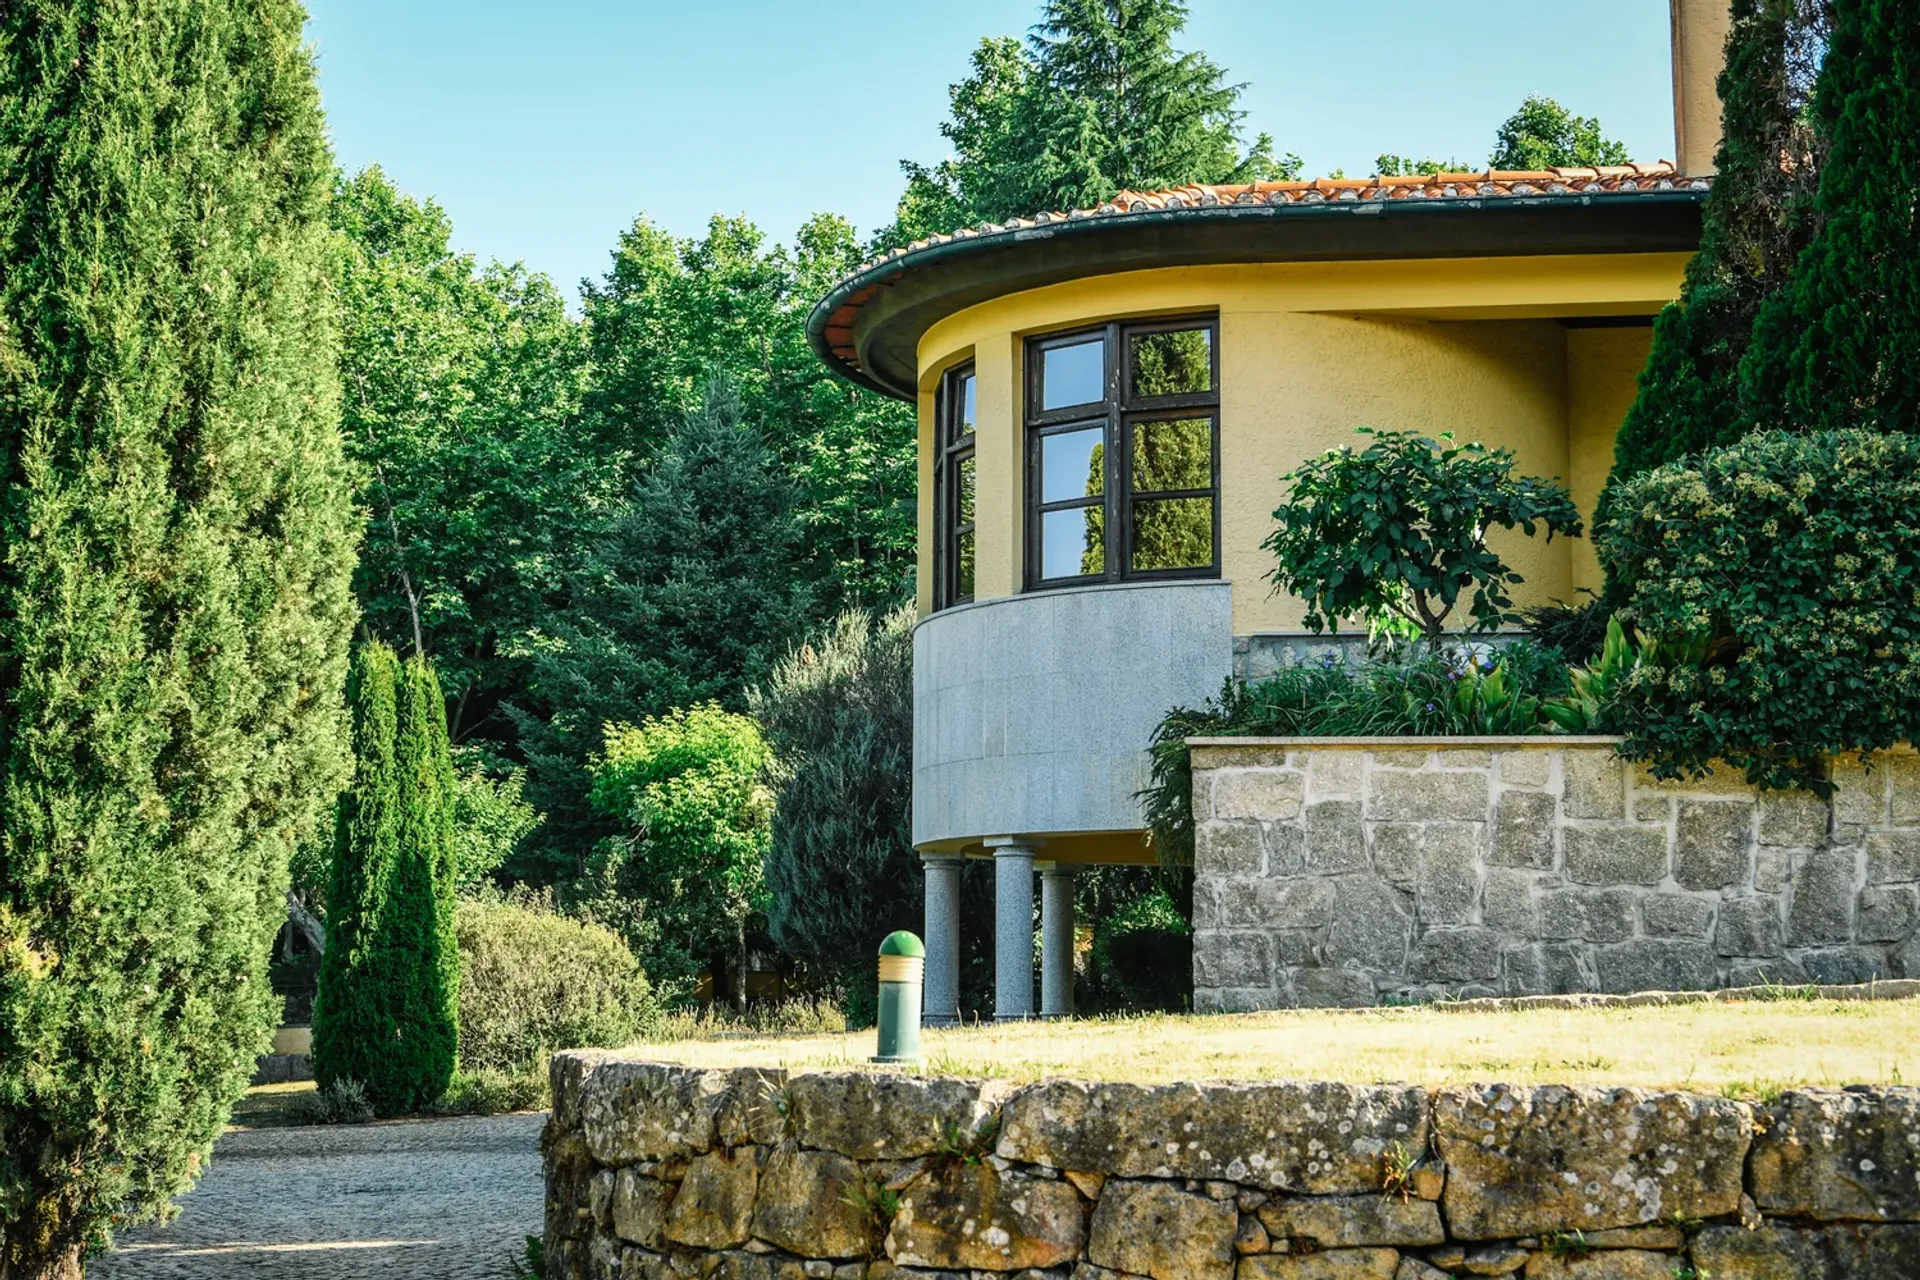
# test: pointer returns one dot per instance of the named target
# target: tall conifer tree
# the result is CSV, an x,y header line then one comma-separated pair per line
x,y
1758,218
1839,346
174,603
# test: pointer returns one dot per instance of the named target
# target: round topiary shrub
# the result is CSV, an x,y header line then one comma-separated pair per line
x,y
533,981
1778,580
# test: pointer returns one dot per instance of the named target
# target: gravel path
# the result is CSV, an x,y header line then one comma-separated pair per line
x,y
423,1200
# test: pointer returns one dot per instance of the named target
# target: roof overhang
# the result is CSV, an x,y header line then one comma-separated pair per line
x,y
869,327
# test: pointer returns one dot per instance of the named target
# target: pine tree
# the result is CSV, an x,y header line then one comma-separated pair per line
x,y
385,1014
1839,345
174,604
1758,219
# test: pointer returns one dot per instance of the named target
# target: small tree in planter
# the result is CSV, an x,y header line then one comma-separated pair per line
x,y
1396,532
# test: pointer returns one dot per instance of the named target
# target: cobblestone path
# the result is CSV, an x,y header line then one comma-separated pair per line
x,y
410,1200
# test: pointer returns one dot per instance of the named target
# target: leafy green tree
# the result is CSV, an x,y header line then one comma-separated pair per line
x,y
1098,101
463,405
1392,166
1542,134
841,870
177,538
1757,220
687,792
1398,530
1838,346
686,597
386,1012
490,815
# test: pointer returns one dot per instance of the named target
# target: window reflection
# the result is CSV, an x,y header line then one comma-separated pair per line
x,y
1174,454
1173,363
1173,533
1073,374
1073,465
1073,542
965,515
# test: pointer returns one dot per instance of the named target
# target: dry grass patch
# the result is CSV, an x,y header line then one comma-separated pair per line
x,y
1748,1049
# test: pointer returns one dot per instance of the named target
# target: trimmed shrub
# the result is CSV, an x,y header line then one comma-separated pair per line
x,y
534,981
1778,584
178,537
389,981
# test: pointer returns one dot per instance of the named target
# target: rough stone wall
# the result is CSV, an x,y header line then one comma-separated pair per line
x,y
658,1171
1345,875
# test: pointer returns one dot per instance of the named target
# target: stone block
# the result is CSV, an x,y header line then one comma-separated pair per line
x,y
1334,1264
1387,758
1656,964
1718,780
1206,902
1570,969
1794,819
1371,926
1773,869
1712,844
1244,999
1589,915
810,1203
1232,959
1348,1222
1820,906
714,1206
974,1216
1523,972
1449,882
1888,913
1324,988
1859,792
1530,1161
1893,856
1840,1154
1336,840
1427,797
1906,959
1458,955
1229,849
1318,1138
1276,904
1155,1229
649,1111
1874,1253
1656,810
1286,846
1523,830
1294,947
1615,854
1608,1264
1520,767
1748,927
1769,1253
1766,973
751,1109
1396,852
1506,903
875,1116
639,1207
1903,787
1464,758
1595,780
1334,772
1265,794
1675,915
1844,966
566,1072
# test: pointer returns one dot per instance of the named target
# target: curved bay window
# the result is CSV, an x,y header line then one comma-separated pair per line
x,y
953,488
1123,426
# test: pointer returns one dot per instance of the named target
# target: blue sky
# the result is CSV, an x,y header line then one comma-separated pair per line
x,y
544,129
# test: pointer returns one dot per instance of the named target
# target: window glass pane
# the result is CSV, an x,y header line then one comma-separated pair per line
x,y
1073,464
964,424
1173,533
963,578
1174,454
964,515
1075,374
1172,364
1073,542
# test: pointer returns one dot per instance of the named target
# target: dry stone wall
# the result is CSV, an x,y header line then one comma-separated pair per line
x,y
1347,873
658,1171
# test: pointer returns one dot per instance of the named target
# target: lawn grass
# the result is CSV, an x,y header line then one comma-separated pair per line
x,y
270,1106
1738,1049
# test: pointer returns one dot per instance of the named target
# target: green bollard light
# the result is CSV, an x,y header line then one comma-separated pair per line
x,y
903,970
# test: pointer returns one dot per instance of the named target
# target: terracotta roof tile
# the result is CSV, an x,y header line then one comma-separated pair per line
x,y
1483,184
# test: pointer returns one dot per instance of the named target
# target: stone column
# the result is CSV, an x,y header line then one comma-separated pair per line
x,y
1012,929
1056,940
940,999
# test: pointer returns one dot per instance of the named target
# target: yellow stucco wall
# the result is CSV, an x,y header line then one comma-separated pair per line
x,y
1603,374
1308,352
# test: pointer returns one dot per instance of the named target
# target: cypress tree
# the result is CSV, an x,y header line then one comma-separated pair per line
x,y
385,1014
1757,220
1839,346
174,605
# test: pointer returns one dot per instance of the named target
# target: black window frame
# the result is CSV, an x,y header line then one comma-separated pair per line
x,y
951,448
1118,414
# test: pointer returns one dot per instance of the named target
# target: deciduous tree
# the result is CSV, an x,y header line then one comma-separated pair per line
x,y
1543,134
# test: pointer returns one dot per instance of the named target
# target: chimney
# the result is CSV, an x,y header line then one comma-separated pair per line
x,y
1699,51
